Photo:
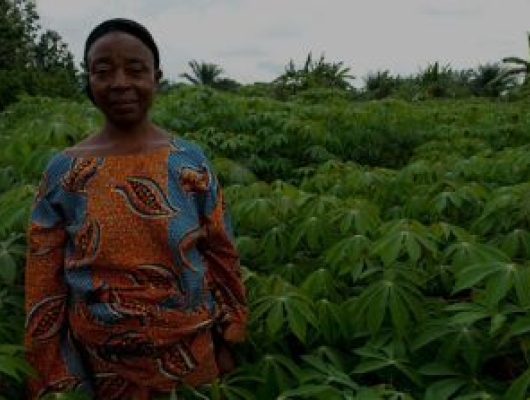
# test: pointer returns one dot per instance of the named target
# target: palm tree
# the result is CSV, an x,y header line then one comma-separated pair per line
x,y
489,80
329,74
378,85
520,67
436,79
203,73
314,74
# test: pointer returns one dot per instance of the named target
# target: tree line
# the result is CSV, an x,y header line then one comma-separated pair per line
x,y
33,61
37,62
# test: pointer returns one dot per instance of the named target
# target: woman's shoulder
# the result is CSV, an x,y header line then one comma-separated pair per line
x,y
56,169
58,164
183,147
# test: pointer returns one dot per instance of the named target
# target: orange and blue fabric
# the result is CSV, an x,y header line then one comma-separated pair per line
x,y
131,264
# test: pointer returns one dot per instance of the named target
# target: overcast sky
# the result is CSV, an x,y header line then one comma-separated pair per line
x,y
253,40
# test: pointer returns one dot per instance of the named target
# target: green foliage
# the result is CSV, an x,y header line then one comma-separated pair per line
x,y
32,62
380,84
209,74
517,66
489,80
385,245
314,74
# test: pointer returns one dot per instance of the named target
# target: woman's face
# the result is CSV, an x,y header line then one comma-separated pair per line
x,y
122,78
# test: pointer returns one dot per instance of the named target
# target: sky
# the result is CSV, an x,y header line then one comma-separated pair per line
x,y
253,40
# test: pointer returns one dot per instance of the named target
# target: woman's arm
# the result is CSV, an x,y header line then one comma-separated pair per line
x,y
222,260
49,345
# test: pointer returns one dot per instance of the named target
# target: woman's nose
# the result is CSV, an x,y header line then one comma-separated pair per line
x,y
120,79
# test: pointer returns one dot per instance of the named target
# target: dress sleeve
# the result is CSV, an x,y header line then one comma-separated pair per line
x,y
48,343
222,260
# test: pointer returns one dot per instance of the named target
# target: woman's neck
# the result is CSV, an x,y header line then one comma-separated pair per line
x,y
110,140
127,134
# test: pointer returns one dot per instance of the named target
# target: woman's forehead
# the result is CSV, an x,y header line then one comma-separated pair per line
x,y
117,43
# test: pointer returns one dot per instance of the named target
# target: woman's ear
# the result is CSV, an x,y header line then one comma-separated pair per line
x,y
158,75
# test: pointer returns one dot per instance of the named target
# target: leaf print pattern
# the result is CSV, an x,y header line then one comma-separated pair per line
x,y
194,180
145,197
110,386
42,252
45,318
41,189
62,385
126,344
177,362
86,244
157,275
127,308
186,243
79,174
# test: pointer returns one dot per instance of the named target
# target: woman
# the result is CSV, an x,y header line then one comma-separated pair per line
x,y
131,270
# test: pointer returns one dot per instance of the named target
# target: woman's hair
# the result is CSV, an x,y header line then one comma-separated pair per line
x,y
122,25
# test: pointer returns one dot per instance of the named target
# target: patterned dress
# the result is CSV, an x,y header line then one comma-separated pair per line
x,y
130,268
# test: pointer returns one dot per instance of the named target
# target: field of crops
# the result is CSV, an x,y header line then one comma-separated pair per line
x,y
385,245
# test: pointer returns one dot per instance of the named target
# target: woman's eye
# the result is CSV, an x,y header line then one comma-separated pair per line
x,y
136,68
101,70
